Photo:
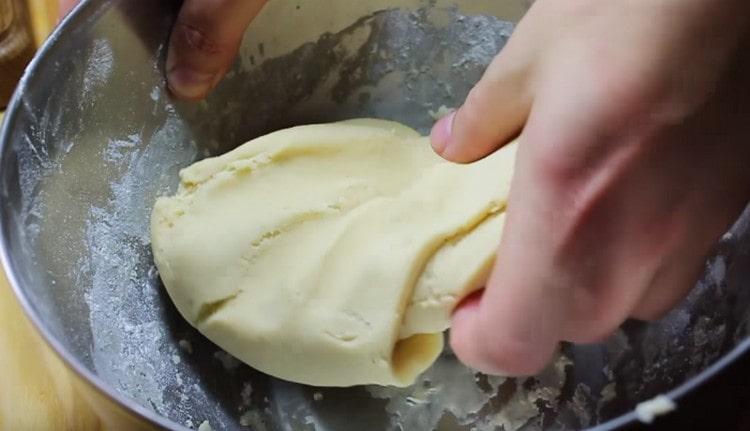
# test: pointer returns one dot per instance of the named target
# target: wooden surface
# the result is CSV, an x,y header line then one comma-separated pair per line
x,y
24,25
38,391
16,45
43,16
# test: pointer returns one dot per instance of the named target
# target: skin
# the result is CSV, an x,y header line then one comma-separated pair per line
x,y
632,160
632,163
204,43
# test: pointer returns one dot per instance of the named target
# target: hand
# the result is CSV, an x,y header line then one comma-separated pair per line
x,y
633,160
204,42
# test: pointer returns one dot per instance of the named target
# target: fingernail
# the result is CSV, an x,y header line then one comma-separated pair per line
x,y
190,84
441,133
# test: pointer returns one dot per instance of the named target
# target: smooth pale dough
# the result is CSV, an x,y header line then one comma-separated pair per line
x,y
331,254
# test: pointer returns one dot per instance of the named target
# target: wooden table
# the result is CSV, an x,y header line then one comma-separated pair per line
x,y
38,391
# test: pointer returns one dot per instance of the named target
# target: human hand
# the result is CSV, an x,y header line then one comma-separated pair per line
x,y
633,160
204,42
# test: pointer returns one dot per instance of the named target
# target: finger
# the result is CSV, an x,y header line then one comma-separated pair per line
x,y
515,326
667,290
494,111
681,267
720,183
65,7
204,42
546,276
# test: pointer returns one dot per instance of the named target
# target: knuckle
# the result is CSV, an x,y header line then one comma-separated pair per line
x,y
496,356
554,164
563,182
196,38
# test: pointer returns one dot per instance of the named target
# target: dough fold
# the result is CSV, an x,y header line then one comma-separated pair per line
x,y
331,254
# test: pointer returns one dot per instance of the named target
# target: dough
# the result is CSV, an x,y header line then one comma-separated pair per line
x,y
330,254
648,411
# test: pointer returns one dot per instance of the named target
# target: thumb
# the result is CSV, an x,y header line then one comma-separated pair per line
x,y
204,42
494,111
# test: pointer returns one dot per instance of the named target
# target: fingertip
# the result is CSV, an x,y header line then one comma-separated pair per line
x,y
185,80
501,358
203,43
487,350
441,133
189,84
463,333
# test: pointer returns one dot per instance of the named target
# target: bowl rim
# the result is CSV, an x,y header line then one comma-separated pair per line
x,y
82,12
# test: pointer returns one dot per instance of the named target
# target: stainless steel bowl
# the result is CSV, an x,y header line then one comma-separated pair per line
x,y
91,138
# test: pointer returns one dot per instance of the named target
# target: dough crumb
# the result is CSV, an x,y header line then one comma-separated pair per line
x,y
246,394
608,392
205,426
649,410
229,362
317,396
185,346
253,420
176,359
441,112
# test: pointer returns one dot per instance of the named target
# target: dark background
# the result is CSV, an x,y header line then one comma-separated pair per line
x,y
721,404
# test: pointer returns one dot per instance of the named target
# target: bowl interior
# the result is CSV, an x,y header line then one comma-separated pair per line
x,y
94,138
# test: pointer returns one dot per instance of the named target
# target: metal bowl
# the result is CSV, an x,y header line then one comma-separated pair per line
x,y
91,138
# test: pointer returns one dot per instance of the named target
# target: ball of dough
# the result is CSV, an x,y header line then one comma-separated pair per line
x,y
330,254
